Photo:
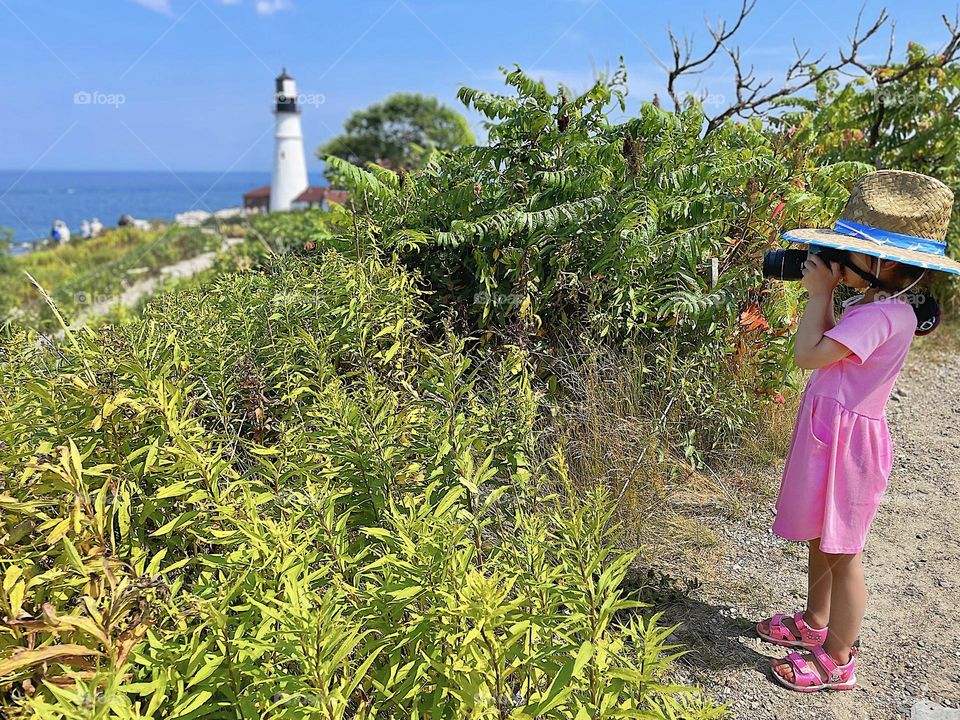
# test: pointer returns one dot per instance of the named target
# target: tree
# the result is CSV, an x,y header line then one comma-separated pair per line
x,y
399,132
566,224
752,96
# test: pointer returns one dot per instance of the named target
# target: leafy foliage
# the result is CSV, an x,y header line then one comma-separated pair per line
x,y
272,498
300,491
6,235
400,132
84,272
297,231
567,223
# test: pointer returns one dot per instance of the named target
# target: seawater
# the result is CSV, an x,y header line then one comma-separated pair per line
x,y
31,200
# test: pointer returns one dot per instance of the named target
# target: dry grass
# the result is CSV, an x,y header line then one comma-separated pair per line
x,y
614,430
766,445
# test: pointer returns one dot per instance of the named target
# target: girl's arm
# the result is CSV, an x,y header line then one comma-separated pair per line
x,y
831,319
812,349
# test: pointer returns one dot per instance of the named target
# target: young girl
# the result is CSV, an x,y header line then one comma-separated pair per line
x,y
841,453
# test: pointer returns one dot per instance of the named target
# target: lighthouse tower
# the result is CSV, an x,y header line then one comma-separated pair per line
x,y
289,162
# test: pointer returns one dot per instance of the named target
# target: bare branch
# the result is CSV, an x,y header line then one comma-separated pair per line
x,y
948,55
750,93
683,62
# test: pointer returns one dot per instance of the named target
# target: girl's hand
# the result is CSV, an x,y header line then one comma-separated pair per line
x,y
819,277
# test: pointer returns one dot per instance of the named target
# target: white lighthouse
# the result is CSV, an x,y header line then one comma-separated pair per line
x,y
289,161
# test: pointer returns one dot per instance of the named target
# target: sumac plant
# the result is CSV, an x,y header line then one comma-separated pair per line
x,y
643,231
277,497
899,114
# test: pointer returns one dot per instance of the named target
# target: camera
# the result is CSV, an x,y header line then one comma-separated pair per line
x,y
788,264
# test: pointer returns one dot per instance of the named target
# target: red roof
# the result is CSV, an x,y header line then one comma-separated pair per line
x,y
259,192
338,196
312,194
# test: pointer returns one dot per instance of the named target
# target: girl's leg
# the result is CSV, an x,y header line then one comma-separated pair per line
x,y
848,603
818,591
819,587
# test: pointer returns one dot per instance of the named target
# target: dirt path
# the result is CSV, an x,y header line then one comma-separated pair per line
x,y
132,294
909,664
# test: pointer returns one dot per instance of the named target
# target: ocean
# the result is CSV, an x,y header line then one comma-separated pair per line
x,y
30,201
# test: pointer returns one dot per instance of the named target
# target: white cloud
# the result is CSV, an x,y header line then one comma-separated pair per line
x,y
269,7
160,6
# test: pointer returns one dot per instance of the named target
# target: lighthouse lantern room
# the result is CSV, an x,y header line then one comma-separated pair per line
x,y
289,161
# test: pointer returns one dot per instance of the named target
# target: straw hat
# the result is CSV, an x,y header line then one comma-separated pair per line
x,y
892,214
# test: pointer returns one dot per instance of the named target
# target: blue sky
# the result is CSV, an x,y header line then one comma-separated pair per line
x,y
187,84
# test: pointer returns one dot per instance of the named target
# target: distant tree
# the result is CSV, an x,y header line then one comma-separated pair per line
x,y
399,132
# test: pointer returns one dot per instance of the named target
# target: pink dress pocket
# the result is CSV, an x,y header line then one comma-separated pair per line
x,y
834,477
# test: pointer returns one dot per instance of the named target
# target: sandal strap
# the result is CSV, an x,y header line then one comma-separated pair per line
x,y
803,673
835,672
778,629
807,633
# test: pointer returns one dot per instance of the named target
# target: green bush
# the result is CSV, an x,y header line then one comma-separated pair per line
x,y
303,230
272,497
6,262
567,225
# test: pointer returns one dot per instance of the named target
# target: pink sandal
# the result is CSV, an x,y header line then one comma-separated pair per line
x,y
780,634
839,677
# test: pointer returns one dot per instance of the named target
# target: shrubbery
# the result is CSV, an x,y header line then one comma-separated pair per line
x,y
293,232
273,498
84,272
568,225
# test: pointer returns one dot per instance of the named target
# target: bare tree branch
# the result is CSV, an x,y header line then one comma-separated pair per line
x,y
752,94
683,61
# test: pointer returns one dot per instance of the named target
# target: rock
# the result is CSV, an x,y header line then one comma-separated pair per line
x,y
927,710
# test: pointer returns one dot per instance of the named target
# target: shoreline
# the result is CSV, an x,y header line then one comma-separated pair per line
x,y
33,200
186,219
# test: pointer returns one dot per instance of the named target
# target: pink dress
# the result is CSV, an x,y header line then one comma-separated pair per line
x,y
841,452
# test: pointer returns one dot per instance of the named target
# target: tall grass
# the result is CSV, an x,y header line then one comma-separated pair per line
x,y
84,272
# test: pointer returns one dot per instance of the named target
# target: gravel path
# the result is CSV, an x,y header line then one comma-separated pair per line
x,y
133,293
909,662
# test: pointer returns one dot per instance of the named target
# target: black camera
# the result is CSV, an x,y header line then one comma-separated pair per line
x,y
788,264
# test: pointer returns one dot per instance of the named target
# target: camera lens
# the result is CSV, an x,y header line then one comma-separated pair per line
x,y
784,264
